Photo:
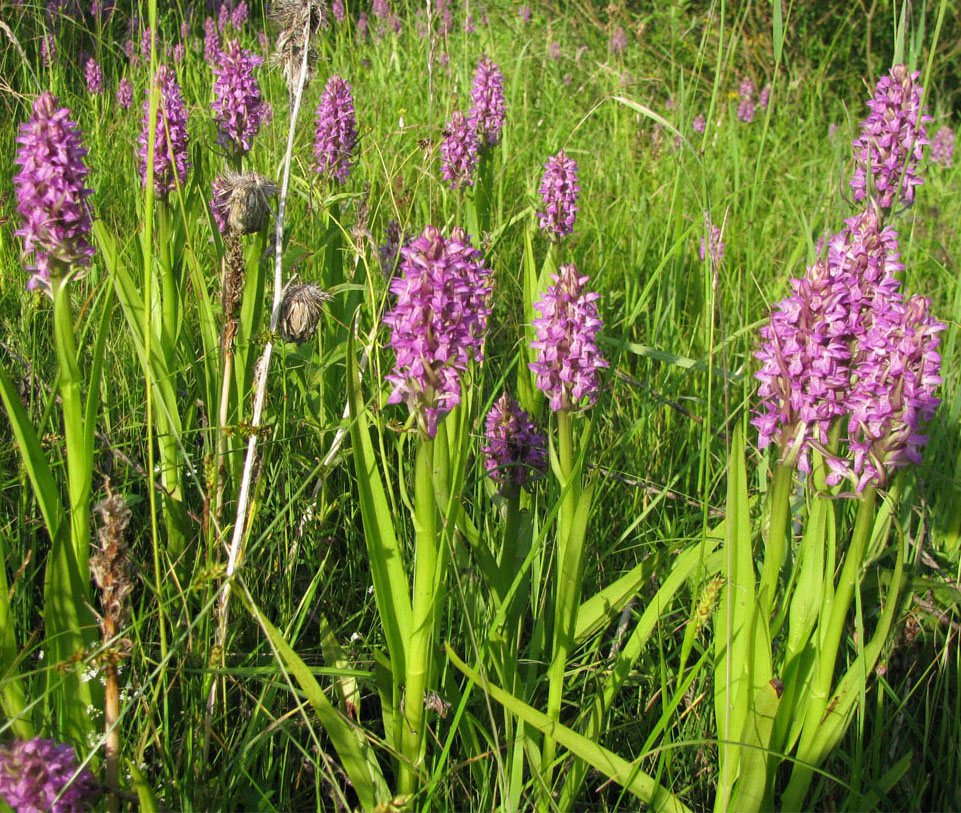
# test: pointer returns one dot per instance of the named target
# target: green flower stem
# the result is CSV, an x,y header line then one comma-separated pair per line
x,y
780,511
828,651
426,527
507,561
568,581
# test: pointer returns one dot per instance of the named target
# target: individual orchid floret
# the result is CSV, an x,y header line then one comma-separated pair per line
x,y
336,130
238,107
942,147
515,452
52,193
893,393
559,190
124,93
890,143
39,775
746,107
94,76
438,323
459,152
568,359
486,116
711,245
170,137
805,366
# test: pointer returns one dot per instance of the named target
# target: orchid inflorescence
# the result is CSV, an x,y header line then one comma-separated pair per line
x,y
52,192
847,345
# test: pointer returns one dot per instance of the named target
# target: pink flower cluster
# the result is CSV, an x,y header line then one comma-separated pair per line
x,y
515,452
559,190
40,775
52,192
438,323
170,137
239,109
846,344
889,146
335,132
568,359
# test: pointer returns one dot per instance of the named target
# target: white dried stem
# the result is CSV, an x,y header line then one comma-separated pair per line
x,y
260,391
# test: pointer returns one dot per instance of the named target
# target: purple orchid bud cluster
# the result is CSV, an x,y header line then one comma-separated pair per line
x,y
211,41
466,137
459,153
618,42
438,323
942,147
94,76
848,349
40,775
559,190
746,106
890,143
486,116
52,193
124,93
335,130
515,452
170,137
239,109
711,245
847,345
568,358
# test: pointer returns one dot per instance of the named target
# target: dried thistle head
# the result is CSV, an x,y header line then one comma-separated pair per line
x,y
240,203
293,19
300,312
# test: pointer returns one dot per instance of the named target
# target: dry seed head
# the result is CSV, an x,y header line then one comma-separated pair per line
x,y
300,312
292,18
110,566
244,200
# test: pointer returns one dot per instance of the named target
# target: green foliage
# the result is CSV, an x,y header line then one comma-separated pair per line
x,y
667,607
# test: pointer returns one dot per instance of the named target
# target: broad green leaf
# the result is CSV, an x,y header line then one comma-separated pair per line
x,y
753,778
778,25
370,788
604,605
145,794
626,774
31,452
391,587
13,699
732,630
844,698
